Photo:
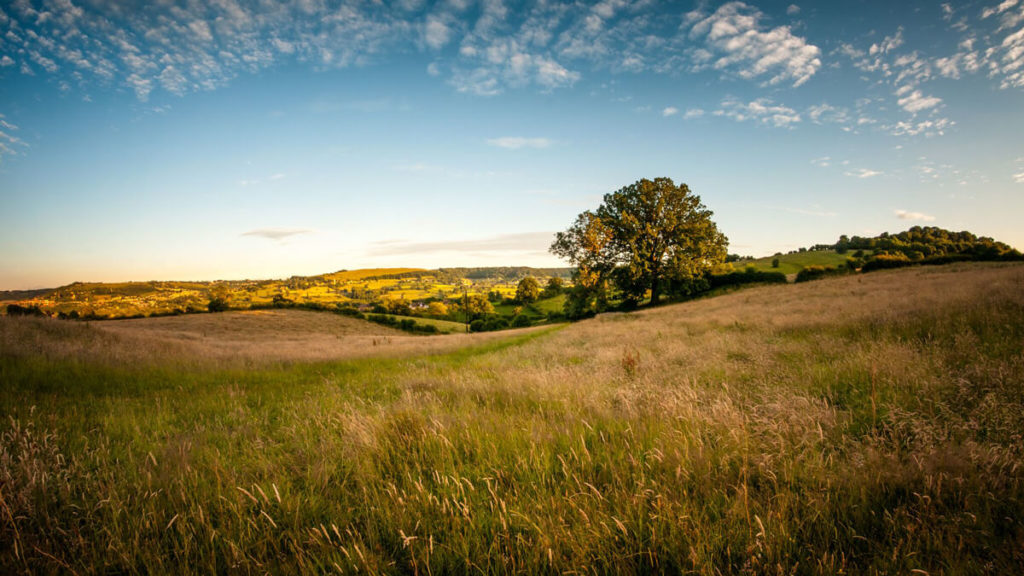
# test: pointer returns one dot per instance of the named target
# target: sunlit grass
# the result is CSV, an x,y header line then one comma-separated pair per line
x,y
867,424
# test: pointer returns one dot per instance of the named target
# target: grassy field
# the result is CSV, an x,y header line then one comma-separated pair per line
x,y
793,263
864,424
444,326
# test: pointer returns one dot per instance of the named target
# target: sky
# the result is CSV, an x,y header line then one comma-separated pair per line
x,y
224,139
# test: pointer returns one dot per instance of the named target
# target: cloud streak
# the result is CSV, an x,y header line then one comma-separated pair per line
x,y
9,143
519,142
526,242
864,173
917,216
277,234
762,110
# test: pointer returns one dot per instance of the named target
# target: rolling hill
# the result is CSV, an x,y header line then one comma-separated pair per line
x,y
859,424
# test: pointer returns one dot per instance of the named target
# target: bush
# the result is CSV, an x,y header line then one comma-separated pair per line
x,y
18,310
217,305
886,261
520,321
350,312
817,272
748,276
489,324
554,287
689,286
775,263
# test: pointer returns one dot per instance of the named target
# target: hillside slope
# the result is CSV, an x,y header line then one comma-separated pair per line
x,y
863,424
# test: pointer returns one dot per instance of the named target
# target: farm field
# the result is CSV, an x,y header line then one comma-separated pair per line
x,y
862,424
349,288
797,261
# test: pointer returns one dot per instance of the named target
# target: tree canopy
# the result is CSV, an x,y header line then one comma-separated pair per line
x,y
528,290
642,237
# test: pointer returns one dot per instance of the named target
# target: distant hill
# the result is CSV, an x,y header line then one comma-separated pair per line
x,y
918,245
354,288
403,291
15,295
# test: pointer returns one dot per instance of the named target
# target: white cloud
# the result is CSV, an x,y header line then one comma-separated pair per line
x,y
793,10
734,39
888,44
1002,7
915,102
670,111
693,113
436,33
905,215
1019,178
6,61
822,162
931,127
480,82
518,142
812,212
433,69
761,110
864,173
504,243
277,234
9,143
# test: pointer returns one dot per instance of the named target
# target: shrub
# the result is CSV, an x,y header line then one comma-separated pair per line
x,y
775,263
350,312
520,321
554,287
884,261
18,310
748,276
217,305
816,272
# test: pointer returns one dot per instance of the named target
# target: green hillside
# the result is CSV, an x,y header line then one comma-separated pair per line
x,y
865,424
796,261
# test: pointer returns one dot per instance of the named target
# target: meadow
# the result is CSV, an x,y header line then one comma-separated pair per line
x,y
867,424
796,261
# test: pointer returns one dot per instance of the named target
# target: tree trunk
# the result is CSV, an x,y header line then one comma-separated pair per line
x,y
655,285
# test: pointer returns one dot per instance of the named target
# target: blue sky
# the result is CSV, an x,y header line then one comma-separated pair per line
x,y
225,139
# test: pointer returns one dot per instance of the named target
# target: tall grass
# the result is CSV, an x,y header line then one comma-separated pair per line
x,y
856,425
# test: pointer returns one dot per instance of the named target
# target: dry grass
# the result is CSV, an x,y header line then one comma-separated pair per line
x,y
254,337
869,424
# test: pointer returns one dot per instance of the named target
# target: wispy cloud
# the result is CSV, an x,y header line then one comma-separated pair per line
x,y
277,234
761,110
670,111
907,215
693,113
526,242
518,142
256,181
9,143
735,40
812,212
823,162
914,101
864,173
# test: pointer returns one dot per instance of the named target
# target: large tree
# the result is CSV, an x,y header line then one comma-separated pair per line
x,y
528,290
643,235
